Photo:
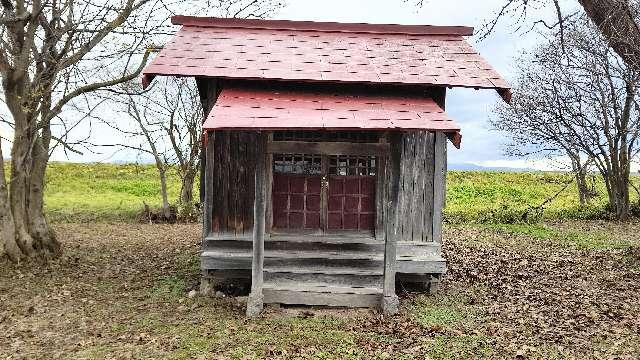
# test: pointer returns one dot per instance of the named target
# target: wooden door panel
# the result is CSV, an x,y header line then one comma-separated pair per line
x,y
302,202
352,204
296,202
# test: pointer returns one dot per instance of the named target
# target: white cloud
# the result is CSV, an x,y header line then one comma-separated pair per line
x,y
471,108
553,164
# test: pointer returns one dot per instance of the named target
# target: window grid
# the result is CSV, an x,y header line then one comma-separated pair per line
x,y
302,164
345,165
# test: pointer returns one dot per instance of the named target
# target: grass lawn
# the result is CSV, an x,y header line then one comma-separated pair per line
x,y
549,291
103,192
107,193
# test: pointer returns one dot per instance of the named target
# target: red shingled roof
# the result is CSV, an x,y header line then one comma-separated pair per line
x,y
245,108
331,52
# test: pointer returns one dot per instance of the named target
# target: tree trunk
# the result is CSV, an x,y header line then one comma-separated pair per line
x,y
186,191
615,20
8,245
580,173
23,224
24,228
166,211
39,227
583,187
618,192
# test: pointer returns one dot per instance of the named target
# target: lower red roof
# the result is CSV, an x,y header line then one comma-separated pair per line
x,y
255,109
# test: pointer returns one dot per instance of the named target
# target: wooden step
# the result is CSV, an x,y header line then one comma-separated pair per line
x,y
323,269
298,254
296,243
320,287
321,279
322,295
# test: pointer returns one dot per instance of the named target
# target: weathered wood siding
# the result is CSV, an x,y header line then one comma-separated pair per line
x,y
232,161
420,170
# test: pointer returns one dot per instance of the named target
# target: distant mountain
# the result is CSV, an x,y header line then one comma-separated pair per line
x,y
476,167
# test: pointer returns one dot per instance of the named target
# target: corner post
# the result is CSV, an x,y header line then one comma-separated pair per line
x,y
255,302
206,168
439,184
390,302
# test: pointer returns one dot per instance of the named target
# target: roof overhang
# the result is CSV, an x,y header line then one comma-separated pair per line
x,y
382,29
239,108
304,51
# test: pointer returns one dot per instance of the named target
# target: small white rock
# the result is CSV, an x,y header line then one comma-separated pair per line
x,y
220,294
192,294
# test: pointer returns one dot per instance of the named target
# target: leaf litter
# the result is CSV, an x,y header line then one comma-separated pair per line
x,y
121,291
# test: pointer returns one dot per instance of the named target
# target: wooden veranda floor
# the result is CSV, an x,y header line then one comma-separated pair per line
x,y
319,270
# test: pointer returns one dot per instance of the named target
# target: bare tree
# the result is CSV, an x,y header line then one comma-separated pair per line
x,y
617,21
167,126
581,101
534,121
44,45
52,55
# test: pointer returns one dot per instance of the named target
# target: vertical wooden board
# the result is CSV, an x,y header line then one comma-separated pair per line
x,y
240,191
216,183
381,177
324,196
418,206
269,189
224,181
392,211
439,184
248,185
234,164
429,149
257,264
408,195
209,189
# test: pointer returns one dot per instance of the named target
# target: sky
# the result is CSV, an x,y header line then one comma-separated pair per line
x,y
470,108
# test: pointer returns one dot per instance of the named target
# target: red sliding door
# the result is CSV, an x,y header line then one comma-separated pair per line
x,y
320,193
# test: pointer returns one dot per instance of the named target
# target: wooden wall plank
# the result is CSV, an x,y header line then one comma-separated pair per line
x,y
418,201
428,187
209,190
439,178
269,187
232,185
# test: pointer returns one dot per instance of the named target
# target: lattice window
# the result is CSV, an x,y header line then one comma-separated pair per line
x,y
302,164
333,136
344,165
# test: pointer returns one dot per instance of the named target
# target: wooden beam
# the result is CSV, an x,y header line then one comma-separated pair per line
x,y
256,298
439,184
269,189
381,176
390,302
327,148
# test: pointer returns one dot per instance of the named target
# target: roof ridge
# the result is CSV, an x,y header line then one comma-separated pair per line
x,y
383,29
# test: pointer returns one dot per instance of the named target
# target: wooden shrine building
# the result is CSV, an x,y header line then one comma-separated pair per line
x,y
325,166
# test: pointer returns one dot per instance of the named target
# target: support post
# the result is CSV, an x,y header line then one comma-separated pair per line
x,y
255,302
439,184
206,188
390,302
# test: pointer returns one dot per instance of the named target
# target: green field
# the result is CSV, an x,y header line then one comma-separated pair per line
x,y
108,192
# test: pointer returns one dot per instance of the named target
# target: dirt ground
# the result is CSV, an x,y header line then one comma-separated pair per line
x,y
565,290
